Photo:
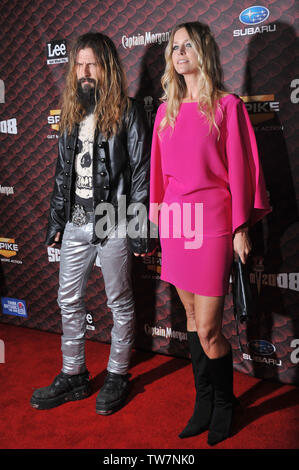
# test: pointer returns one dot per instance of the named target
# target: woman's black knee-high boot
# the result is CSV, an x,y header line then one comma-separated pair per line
x,y
199,421
221,377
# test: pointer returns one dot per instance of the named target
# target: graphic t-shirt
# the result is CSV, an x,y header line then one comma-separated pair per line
x,y
83,163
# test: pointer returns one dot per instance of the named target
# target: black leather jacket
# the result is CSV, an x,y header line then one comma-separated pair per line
x,y
121,166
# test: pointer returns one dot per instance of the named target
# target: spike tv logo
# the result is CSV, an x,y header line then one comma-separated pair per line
x,y
149,110
53,122
8,249
153,266
9,126
260,278
261,108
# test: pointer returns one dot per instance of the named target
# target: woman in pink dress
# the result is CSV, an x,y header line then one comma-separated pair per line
x,y
207,189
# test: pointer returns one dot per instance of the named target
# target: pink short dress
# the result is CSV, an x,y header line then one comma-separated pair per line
x,y
204,185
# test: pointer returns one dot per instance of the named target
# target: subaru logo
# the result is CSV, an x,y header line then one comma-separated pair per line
x,y
254,15
262,347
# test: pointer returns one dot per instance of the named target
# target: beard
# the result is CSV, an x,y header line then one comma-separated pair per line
x,y
87,94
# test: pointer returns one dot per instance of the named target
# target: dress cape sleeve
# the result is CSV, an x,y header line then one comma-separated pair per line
x,y
158,181
245,174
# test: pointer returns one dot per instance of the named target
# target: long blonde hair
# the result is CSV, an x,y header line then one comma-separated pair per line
x,y
112,98
210,78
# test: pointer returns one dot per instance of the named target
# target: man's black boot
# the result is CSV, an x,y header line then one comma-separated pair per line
x,y
221,376
113,393
200,420
64,388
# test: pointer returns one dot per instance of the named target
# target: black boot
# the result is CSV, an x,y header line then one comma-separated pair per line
x,y
113,394
221,376
200,420
64,388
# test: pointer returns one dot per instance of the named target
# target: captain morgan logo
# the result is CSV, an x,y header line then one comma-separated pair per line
x,y
143,39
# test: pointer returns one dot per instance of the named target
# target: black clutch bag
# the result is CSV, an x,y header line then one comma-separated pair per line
x,y
242,294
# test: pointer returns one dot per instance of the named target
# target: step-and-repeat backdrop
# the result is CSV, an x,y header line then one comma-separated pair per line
x,y
258,54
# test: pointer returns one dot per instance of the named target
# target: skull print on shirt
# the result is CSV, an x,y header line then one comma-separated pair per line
x,y
83,163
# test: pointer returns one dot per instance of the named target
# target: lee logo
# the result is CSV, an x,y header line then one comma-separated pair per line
x,y
56,52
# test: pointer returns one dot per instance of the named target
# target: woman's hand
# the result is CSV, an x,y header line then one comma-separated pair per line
x,y
242,244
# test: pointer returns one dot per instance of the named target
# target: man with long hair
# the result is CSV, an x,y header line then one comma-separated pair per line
x,y
102,167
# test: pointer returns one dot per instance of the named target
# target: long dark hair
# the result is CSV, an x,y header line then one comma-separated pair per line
x,y
112,98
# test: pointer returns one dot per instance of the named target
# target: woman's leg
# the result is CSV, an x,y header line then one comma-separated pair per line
x,y
204,315
208,313
187,299
208,317
200,420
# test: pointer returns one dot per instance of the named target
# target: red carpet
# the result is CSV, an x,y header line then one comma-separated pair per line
x,y
158,407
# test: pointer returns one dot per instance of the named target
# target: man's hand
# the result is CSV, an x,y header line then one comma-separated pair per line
x,y
146,254
56,239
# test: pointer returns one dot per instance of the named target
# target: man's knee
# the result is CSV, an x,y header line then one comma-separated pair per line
x,y
70,304
120,296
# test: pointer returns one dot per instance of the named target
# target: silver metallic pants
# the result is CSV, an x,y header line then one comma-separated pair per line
x,y
77,258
